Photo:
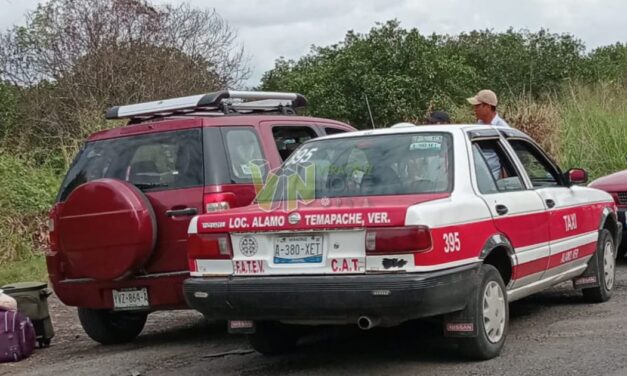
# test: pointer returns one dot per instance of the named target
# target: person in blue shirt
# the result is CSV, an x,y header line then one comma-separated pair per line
x,y
484,104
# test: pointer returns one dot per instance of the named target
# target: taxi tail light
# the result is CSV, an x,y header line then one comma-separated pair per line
x,y
208,247
217,202
390,240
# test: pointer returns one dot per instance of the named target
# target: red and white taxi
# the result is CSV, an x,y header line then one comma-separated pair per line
x,y
384,226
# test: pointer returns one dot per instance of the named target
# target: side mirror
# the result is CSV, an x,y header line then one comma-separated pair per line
x,y
577,176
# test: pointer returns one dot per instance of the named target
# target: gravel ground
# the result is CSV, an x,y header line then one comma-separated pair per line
x,y
551,333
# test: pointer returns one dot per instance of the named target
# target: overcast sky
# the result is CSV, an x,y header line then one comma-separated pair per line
x,y
269,29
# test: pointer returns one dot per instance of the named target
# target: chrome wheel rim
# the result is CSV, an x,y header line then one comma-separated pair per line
x,y
493,312
609,265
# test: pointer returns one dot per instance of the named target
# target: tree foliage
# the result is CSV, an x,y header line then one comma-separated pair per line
x,y
405,74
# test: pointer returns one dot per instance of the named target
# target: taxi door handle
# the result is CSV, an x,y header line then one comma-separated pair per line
x,y
501,209
550,203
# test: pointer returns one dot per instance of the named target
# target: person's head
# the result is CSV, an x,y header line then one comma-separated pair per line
x,y
484,104
438,117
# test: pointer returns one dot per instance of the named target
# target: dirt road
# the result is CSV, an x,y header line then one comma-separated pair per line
x,y
552,333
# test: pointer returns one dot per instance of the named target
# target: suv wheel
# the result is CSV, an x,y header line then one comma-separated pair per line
x,y
606,269
273,338
492,317
109,328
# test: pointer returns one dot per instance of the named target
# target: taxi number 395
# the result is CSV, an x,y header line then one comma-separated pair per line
x,y
451,242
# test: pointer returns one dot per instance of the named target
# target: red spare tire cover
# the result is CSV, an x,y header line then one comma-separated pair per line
x,y
107,229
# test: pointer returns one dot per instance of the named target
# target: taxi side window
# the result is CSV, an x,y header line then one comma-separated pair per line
x,y
485,182
540,171
500,168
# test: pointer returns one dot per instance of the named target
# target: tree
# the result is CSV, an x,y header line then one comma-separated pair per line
x,y
513,63
405,74
607,63
76,58
401,72
8,108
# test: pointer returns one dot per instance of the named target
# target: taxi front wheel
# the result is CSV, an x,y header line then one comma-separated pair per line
x,y
606,269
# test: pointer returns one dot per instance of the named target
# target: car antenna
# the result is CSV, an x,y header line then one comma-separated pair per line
x,y
369,112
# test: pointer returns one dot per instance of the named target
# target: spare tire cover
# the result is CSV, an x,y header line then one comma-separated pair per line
x,y
107,229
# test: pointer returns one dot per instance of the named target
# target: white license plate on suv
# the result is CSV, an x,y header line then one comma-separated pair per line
x,y
130,299
298,249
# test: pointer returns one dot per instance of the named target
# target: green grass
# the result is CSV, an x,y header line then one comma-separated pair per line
x,y
29,269
593,133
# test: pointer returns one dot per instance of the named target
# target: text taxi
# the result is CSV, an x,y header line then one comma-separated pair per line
x,y
455,221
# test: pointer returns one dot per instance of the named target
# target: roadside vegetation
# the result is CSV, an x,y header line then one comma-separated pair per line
x,y
55,85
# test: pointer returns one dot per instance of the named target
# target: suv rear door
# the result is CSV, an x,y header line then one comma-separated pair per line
x,y
167,167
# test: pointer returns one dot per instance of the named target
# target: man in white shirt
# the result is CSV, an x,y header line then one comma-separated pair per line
x,y
484,104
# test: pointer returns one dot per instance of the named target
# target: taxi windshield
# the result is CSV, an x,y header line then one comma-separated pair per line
x,y
394,164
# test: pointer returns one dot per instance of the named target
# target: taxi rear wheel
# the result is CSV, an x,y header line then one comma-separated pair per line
x,y
273,338
492,317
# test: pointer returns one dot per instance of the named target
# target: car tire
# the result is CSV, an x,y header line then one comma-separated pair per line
x,y
273,338
606,269
492,317
110,328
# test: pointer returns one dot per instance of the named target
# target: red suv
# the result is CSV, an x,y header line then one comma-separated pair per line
x,y
616,185
118,230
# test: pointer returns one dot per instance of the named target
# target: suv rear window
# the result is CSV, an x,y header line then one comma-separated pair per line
x,y
373,165
157,161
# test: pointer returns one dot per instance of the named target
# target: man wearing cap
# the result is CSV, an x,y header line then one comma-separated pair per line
x,y
484,104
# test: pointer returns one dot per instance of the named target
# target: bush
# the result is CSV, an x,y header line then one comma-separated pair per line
x,y
26,195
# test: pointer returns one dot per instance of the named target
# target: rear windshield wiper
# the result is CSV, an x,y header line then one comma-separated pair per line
x,y
143,186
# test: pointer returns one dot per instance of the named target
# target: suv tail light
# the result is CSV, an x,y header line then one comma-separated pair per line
x,y
387,240
216,202
53,238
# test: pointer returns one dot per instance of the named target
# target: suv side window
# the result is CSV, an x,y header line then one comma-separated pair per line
x,y
539,169
242,146
288,138
330,131
500,168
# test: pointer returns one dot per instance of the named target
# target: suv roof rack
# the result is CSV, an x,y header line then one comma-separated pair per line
x,y
218,103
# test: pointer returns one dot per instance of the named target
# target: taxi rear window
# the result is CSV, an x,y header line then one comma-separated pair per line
x,y
396,164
